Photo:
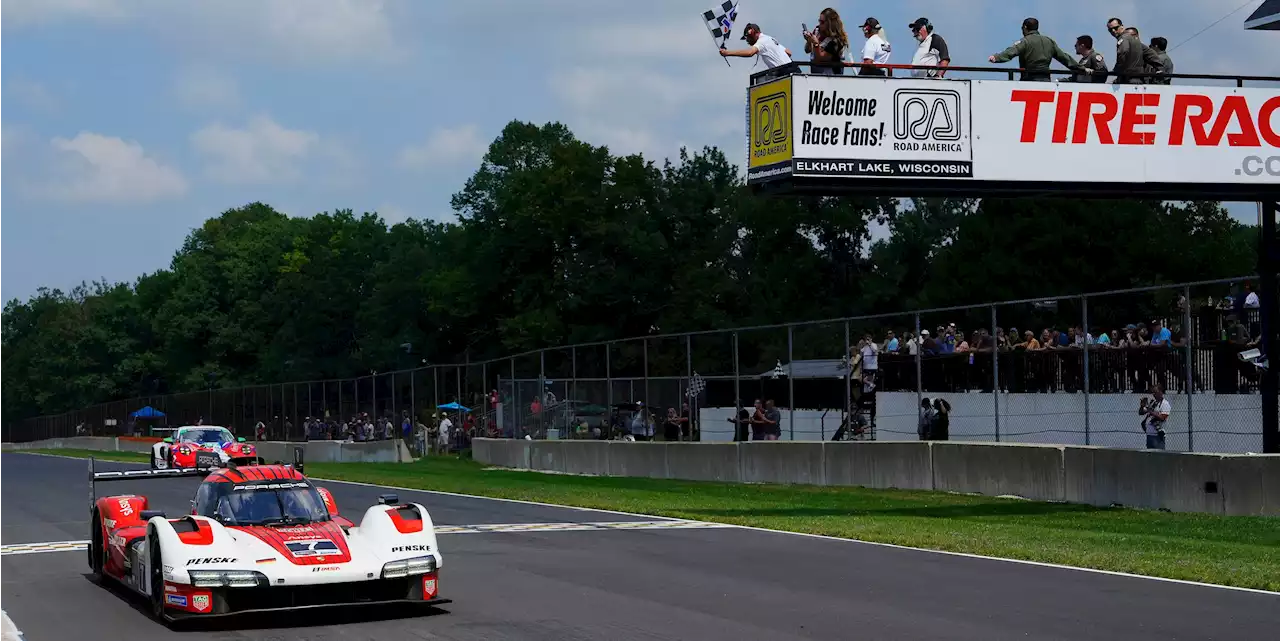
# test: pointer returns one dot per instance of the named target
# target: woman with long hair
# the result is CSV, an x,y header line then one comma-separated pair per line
x,y
827,44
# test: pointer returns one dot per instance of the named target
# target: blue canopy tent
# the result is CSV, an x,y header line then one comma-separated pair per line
x,y
454,406
147,412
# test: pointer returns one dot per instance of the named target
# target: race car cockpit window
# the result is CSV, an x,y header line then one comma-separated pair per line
x,y
287,503
207,437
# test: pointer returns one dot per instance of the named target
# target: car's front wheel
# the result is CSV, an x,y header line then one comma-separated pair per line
x,y
156,565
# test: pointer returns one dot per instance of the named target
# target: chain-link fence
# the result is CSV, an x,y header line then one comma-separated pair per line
x,y
1069,370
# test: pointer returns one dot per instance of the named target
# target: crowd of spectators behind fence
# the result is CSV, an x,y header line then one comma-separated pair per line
x,y
831,52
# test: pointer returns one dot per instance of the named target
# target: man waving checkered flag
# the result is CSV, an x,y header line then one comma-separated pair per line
x,y
720,21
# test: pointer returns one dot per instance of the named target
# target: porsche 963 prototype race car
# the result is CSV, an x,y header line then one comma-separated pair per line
x,y
261,537
194,446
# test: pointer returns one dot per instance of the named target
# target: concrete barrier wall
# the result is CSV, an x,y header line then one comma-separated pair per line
x,y
314,451
1229,484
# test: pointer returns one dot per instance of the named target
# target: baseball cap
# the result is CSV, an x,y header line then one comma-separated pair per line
x,y
750,26
920,22
872,23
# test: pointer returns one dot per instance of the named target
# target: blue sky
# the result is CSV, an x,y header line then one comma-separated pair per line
x,y
127,123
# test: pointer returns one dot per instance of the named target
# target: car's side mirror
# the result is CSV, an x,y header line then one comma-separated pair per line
x,y
240,439
169,440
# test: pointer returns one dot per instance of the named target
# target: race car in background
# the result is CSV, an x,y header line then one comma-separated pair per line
x,y
202,446
261,538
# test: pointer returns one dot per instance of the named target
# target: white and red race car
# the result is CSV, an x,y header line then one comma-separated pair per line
x,y
261,537
202,446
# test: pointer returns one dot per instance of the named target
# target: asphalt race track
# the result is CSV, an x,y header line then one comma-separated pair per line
x,y
704,584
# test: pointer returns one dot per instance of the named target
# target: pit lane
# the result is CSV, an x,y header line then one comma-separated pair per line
x,y
566,584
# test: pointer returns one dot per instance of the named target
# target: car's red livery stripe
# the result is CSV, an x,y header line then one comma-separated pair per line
x,y
279,539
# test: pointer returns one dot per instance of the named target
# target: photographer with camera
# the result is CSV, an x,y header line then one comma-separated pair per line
x,y
1155,411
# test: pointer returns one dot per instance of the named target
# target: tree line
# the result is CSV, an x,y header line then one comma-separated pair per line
x,y
559,241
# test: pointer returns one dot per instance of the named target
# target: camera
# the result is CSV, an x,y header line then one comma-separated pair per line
x,y
1254,357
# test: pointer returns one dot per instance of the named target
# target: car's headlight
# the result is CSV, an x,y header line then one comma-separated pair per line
x,y
184,450
408,567
226,578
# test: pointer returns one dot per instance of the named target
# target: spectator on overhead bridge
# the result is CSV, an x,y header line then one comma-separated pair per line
x,y
770,51
1035,52
876,50
1158,47
932,51
1133,59
827,44
1091,60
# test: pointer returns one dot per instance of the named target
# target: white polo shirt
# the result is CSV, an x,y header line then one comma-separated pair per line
x,y
876,50
771,52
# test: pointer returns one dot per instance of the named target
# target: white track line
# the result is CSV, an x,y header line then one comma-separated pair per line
x,y
480,528
812,536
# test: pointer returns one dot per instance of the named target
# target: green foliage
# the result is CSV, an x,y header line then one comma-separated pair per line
x,y
558,241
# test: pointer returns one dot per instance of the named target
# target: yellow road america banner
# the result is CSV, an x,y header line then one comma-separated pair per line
x,y
769,130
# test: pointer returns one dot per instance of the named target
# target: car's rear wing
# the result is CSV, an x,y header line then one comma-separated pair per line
x,y
96,477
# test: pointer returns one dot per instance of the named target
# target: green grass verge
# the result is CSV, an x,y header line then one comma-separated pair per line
x,y
1235,550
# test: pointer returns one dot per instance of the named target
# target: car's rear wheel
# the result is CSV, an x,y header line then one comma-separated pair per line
x,y
96,548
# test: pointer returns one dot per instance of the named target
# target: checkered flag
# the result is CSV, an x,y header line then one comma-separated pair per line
x,y
720,21
696,385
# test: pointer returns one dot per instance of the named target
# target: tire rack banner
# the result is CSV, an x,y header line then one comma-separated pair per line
x,y
1007,131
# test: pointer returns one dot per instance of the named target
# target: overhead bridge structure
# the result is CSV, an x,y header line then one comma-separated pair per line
x,y
980,133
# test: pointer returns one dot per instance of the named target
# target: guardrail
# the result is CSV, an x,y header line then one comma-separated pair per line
x,y
1178,482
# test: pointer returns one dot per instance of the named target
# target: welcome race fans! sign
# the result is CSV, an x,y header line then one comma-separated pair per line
x,y
1002,131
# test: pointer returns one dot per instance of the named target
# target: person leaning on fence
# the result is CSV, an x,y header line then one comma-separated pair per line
x,y
741,424
1155,412
771,52
1090,59
1158,48
1035,52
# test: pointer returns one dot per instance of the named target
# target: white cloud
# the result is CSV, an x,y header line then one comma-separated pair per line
x,y
202,87
457,146
261,152
303,32
32,94
106,169
294,31
21,13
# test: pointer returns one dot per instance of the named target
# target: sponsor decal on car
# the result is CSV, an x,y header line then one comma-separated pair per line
x,y
200,602
266,561
110,523
125,508
211,559
411,548
325,568
176,599
269,486
170,588
312,547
